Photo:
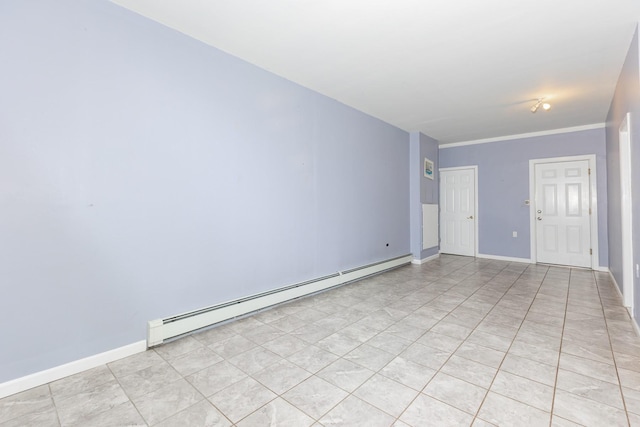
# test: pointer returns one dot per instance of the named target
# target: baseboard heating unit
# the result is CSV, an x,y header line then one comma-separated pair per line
x,y
161,330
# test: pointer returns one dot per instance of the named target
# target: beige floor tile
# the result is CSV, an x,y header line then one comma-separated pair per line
x,y
457,393
81,382
477,353
202,414
345,374
215,378
277,413
470,371
254,360
281,376
137,362
399,344
81,407
527,368
590,388
408,373
370,357
439,341
386,394
312,358
37,418
356,412
631,400
149,379
194,361
121,415
178,347
587,412
591,368
315,396
241,398
425,410
233,346
523,390
426,356
262,334
501,410
162,403
34,401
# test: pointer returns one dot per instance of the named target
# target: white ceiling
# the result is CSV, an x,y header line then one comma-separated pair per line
x,y
456,70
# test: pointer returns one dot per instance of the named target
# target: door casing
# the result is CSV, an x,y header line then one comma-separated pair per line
x,y
626,212
593,203
475,207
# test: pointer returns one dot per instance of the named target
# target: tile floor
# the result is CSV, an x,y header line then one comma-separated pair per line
x,y
455,342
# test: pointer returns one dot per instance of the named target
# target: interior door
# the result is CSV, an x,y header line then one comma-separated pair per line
x,y
457,212
562,210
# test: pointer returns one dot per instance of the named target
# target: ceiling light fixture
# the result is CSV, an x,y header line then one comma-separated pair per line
x,y
545,106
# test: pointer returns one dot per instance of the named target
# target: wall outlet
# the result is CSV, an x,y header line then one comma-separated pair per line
x,y
515,234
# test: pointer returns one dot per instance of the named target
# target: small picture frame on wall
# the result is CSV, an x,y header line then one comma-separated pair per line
x,y
428,168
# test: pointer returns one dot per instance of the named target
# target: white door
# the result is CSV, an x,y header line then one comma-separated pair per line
x,y
562,211
457,212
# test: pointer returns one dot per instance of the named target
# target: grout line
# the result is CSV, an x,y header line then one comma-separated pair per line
x,y
512,340
615,364
564,322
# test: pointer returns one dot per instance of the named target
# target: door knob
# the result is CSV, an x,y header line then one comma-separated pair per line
x,y
470,217
539,218
539,211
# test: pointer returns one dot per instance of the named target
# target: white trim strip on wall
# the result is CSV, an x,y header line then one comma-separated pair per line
x,y
425,260
636,327
524,135
504,258
43,377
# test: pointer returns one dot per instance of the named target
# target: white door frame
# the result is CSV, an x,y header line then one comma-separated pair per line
x,y
475,196
626,211
593,181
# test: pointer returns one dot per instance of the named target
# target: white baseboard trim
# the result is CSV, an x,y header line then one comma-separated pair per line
x,y
635,325
504,258
43,377
425,260
615,284
633,320
603,269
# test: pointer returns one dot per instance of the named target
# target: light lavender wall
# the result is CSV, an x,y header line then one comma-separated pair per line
x,y
144,174
422,189
626,99
503,186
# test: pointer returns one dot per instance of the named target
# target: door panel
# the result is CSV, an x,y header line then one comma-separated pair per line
x,y
563,223
457,212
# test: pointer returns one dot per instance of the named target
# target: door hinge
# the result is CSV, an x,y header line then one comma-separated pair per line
x,y
589,211
589,171
590,251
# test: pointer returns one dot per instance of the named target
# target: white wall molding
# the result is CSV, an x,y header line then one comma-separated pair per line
x,y
636,327
43,377
504,258
525,135
425,260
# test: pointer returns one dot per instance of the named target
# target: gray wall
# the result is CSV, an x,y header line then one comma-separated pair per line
x,y
423,190
626,99
144,174
503,186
